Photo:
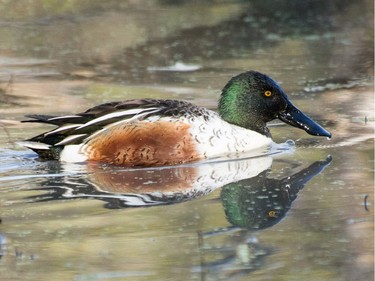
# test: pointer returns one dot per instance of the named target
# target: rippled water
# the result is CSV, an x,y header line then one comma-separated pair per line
x,y
298,213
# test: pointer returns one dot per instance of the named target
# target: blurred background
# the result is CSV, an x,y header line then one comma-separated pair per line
x,y
113,50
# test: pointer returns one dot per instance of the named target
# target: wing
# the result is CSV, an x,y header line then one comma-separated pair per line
x,y
73,129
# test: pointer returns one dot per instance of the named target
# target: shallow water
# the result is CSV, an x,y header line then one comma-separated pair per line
x,y
300,213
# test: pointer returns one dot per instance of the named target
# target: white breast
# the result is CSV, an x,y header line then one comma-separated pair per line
x,y
216,137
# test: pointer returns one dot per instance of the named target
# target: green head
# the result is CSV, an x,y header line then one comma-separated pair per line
x,y
251,99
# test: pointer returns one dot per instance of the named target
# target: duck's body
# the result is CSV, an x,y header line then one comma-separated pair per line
x,y
145,132
151,132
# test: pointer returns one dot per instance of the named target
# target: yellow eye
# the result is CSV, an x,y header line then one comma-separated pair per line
x,y
267,93
272,214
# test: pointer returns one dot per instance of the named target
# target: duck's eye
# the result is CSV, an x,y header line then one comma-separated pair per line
x,y
272,214
268,93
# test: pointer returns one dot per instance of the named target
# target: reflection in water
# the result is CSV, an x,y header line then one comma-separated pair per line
x,y
141,187
260,202
250,199
242,255
251,204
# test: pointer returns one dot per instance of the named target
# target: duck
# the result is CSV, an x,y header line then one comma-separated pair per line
x,y
162,132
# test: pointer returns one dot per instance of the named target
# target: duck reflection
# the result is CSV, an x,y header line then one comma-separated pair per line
x,y
251,199
144,187
260,202
250,204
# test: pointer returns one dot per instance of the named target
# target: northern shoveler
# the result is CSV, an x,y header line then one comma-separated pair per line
x,y
152,132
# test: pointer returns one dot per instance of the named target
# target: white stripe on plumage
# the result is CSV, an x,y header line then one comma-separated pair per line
x,y
69,139
62,128
64,117
118,114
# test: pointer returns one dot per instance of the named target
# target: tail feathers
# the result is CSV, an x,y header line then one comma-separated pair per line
x,y
45,151
34,145
56,120
38,118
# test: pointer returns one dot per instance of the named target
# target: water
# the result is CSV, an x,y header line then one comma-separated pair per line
x,y
303,212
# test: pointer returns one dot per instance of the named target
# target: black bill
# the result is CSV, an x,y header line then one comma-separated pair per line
x,y
293,116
